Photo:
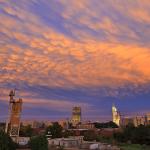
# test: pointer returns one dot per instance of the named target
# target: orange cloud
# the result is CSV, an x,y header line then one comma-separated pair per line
x,y
51,58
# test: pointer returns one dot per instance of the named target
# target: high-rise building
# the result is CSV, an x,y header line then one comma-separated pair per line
x,y
76,115
13,123
115,115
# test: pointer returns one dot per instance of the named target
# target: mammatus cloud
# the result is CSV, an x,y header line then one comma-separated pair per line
x,y
77,48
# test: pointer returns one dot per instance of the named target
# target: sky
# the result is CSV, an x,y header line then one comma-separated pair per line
x,y
63,53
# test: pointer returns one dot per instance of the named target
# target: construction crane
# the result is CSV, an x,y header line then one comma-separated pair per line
x,y
14,112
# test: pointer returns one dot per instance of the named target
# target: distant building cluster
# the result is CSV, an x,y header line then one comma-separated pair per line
x,y
75,122
136,121
124,121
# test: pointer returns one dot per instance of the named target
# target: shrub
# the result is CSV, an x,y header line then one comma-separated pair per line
x,y
38,143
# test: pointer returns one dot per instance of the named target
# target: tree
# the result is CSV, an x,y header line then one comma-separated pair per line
x,y
38,143
109,124
2,126
26,131
6,142
55,130
70,125
90,135
141,135
66,133
136,135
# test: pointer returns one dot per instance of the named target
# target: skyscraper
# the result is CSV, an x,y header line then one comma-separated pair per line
x,y
115,115
76,115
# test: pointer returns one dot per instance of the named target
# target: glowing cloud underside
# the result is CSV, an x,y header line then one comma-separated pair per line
x,y
74,52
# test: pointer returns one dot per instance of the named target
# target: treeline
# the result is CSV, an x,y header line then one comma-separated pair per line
x,y
38,143
129,134
109,124
134,135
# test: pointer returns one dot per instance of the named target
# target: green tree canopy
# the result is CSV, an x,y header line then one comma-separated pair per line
x,y
109,124
136,135
90,135
55,130
26,131
38,143
6,142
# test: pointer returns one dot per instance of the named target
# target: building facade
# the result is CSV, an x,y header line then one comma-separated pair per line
x,y
126,121
87,125
139,120
136,121
115,115
76,115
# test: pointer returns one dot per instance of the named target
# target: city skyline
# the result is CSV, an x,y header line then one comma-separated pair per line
x,y
61,54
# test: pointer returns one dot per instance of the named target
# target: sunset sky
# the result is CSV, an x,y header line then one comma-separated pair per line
x,y
64,53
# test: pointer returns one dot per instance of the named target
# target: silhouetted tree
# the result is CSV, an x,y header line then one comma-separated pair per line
x,y
109,124
67,133
6,142
2,126
90,135
55,130
26,131
136,135
38,143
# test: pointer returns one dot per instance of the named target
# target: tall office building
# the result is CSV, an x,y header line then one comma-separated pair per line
x,y
116,115
76,115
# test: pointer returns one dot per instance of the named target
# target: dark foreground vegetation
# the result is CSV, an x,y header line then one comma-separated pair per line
x,y
38,143
135,135
109,124
6,142
130,138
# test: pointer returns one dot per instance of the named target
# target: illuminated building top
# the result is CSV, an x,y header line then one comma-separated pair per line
x,y
115,115
76,115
